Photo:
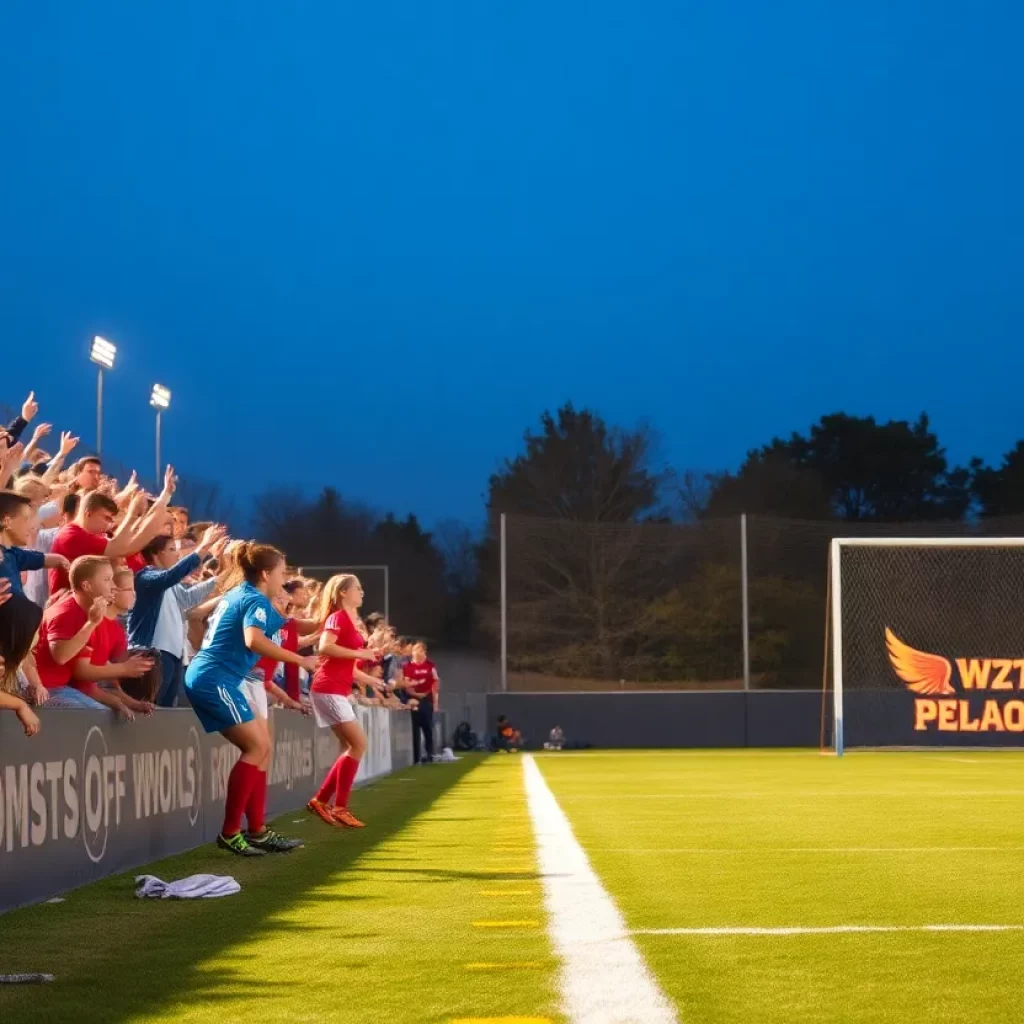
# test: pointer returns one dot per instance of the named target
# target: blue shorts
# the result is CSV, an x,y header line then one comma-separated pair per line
x,y
219,707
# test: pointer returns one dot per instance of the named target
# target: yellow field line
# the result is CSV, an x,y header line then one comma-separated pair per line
x,y
506,924
501,1020
512,966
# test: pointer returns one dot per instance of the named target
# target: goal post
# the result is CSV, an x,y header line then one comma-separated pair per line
x,y
926,642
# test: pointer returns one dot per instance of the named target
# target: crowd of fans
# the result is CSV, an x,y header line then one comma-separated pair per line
x,y
106,591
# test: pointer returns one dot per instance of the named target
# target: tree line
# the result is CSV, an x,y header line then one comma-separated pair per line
x,y
620,566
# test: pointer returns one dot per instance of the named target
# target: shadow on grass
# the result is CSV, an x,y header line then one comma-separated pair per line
x,y
117,958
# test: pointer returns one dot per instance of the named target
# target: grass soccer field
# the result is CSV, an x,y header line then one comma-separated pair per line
x,y
711,887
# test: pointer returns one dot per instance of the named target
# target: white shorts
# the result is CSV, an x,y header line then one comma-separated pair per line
x,y
256,694
332,709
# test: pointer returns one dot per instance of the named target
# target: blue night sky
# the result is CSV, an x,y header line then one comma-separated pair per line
x,y
368,244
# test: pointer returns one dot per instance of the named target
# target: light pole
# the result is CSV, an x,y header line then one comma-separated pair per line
x,y
160,400
102,354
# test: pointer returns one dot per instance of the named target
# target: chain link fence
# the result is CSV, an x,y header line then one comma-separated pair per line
x,y
663,606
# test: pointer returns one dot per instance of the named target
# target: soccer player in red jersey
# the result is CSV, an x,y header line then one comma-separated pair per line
x,y
342,644
419,677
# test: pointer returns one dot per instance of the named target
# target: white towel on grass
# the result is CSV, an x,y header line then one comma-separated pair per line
x,y
195,887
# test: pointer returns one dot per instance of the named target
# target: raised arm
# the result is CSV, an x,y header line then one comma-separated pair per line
x,y
68,444
130,542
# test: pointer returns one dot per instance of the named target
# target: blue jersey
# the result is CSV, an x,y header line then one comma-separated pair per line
x,y
224,658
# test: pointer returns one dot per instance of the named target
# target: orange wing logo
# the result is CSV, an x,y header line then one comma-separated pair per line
x,y
923,673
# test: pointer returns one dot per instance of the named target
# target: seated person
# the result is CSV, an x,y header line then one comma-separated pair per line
x,y
556,739
507,738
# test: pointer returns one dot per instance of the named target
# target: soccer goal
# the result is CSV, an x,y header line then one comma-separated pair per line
x,y
927,643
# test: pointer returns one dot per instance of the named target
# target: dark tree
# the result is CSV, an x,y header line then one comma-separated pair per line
x,y
578,468
1000,492
575,573
861,470
333,534
770,483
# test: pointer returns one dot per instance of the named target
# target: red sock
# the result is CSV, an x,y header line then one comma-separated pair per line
x,y
346,776
256,807
330,783
241,781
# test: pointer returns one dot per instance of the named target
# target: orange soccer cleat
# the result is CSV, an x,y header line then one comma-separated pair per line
x,y
343,816
322,811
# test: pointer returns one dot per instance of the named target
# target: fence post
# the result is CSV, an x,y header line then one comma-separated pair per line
x,y
504,609
745,587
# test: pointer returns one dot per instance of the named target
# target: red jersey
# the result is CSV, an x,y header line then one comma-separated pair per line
x,y
61,621
73,541
108,643
135,562
288,638
423,675
334,675
290,642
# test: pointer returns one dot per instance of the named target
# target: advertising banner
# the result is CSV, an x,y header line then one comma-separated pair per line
x,y
88,796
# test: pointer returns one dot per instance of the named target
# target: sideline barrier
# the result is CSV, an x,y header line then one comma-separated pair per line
x,y
752,718
88,797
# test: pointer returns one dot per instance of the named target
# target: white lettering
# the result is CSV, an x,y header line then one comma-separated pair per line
x,y
37,777
16,804
166,781
71,816
120,765
54,770
188,793
93,793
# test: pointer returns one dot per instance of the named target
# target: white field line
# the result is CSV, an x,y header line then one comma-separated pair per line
x,y
757,850
842,929
603,978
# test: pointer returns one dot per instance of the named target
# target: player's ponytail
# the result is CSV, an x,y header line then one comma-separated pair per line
x,y
255,559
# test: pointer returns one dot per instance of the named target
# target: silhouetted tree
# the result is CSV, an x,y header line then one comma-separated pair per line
x,y
570,576
850,468
329,531
1000,491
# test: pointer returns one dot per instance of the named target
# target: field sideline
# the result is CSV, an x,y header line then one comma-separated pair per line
x,y
688,886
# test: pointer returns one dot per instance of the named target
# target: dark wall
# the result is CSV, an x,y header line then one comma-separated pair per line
x,y
686,719
764,718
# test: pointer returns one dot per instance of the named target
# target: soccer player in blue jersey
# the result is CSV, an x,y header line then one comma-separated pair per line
x,y
237,636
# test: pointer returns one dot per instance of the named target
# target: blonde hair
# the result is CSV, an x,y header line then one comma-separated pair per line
x,y
336,588
229,567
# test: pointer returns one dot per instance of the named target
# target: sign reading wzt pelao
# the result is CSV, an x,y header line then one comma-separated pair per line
x,y
87,797
984,701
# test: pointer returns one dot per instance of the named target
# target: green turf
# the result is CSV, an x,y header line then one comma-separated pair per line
x,y
685,840
378,925
368,926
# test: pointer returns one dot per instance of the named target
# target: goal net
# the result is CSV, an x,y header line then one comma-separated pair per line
x,y
927,643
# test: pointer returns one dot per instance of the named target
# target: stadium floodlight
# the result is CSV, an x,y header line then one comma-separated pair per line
x,y
927,643
102,354
160,400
